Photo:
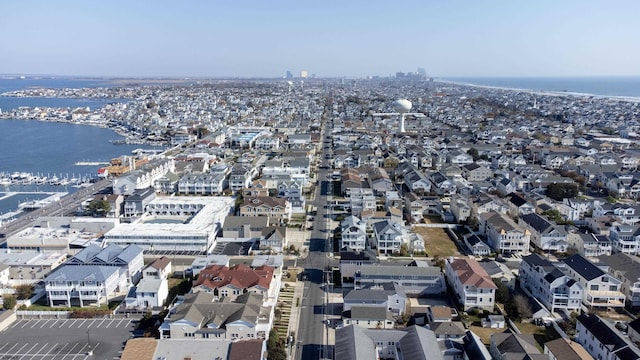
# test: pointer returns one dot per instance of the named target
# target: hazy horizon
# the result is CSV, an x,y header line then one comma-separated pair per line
x,y
256,39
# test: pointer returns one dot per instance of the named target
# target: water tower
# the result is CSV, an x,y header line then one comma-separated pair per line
x,y
402,106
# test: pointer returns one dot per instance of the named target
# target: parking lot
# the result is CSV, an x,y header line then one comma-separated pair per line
x,y
67,339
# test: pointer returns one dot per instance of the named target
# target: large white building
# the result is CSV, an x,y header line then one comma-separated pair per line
x,y
175,225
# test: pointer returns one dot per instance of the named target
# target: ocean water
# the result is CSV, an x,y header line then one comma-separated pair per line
x,y
627,86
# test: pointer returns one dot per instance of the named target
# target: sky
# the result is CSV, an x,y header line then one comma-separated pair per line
x,y
252,38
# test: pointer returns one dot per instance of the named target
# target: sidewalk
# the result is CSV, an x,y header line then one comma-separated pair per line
x,y
294,319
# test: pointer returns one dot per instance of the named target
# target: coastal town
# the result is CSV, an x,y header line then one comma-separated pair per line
x,y
346,218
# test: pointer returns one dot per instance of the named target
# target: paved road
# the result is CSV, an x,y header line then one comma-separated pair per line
x,y
68,203
312,334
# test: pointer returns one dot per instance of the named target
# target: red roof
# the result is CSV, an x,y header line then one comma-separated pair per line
x,y
471,273
240,276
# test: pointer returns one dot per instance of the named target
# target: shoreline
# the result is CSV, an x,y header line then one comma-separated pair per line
x,y
632,99
127,137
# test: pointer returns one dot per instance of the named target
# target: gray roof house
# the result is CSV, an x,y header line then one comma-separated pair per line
x,y
414,343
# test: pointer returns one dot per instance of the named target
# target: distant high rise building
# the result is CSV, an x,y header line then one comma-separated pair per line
x,y
289,74
304,74
422,72
399,75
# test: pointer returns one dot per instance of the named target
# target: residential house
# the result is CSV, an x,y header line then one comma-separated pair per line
x,y
518,205
391,297
128,259
471,285
503,234
589,245
625,268
231,282
143,177
474,172
601,290
549,285
388,237
353,234
625,238
414,342
115,204
507,346
167,184
352,261
201,262
565,349
439,313
476,245
545,235
460,208
415,280
240,177
244,227
202,184
623,212
153,289
601,341
442,185
83,285
624,185
370,317
274,208
505,186
199,316
361,200
273,238
136,203
459,158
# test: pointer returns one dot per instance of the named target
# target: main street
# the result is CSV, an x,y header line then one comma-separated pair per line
x,y
312,336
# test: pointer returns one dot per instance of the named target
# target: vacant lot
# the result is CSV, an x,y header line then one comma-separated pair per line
x,y
436,241
485,333
542,334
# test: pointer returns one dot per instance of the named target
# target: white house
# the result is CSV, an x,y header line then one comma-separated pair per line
x,y
153,288
601,290
471,284
354,234
503,234
548,284
601,341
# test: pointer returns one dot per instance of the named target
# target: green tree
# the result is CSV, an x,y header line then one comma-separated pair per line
x,y
9,301
99,207
275,347
559,191
474,154
24,292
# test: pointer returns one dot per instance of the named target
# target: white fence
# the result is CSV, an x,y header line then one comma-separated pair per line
x,y
31,313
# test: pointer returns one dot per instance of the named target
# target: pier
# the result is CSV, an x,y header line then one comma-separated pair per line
x,y
90,163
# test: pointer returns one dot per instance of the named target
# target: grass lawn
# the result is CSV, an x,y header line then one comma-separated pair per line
x,y
437,242
293,275
432,219
542,334
485,333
